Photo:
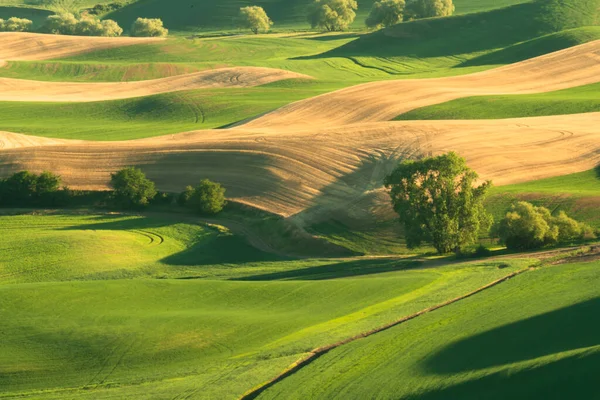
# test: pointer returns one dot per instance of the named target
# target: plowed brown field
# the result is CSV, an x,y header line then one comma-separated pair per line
x,y
331,152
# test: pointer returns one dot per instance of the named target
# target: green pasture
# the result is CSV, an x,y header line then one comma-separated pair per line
x,y
150,116
533,337
112,329
582,99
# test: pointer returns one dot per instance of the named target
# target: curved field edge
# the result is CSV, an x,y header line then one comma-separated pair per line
x,y
483,346
156,115
582,99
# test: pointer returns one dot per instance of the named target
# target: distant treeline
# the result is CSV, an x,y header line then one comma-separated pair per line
x,y
131,190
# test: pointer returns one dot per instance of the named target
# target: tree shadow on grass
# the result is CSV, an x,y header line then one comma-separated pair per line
x,y
568,328
597,170
574,377
221,249
339,270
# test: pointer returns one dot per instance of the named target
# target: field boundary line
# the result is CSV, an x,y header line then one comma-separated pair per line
x,y
320,351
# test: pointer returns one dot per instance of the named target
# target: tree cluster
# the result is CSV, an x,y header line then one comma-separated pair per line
x,y
148,27
132,189
438,202
15,24
26,189
100,9
68,24
527,227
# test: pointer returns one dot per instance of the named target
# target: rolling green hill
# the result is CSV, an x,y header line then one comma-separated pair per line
x,y
98,335
533,337
153,115
209,15
455,41
576,100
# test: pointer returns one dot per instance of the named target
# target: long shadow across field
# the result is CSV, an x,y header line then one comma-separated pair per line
x,y
213,249
574,377
340,270
570,328
461,34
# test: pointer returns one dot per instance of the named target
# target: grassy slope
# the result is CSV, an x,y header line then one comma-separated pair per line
x,y
57,248
154,115
570,101
533,337
435,47
454,41
140,337
208,15
577,194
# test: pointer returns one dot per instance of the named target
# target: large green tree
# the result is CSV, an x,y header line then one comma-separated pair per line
x,y
132,188
438,202
255,18
386,13
332,15
416,9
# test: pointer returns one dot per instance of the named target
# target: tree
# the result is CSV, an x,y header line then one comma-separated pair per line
x,y
19,189
61,24
385,13
255,18
15,24
416,9
148,27
110,28
332,15
132,188
206,198
527,227
438,203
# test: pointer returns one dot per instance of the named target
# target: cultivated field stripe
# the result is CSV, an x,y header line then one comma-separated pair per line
x,y
320,351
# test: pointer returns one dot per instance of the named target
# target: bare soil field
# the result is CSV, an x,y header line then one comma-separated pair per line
x,y
22,46
332,151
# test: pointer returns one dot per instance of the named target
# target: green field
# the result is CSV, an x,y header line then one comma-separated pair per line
x,y
533,337
164,304
576,100
211,16
157,115
111,329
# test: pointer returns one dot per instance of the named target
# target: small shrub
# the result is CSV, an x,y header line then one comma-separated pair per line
x,y
206,198
148,27
100,9
131,188
528,227
15,24
185,196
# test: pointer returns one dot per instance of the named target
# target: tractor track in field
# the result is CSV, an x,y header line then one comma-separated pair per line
x,y
321,351
546,258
